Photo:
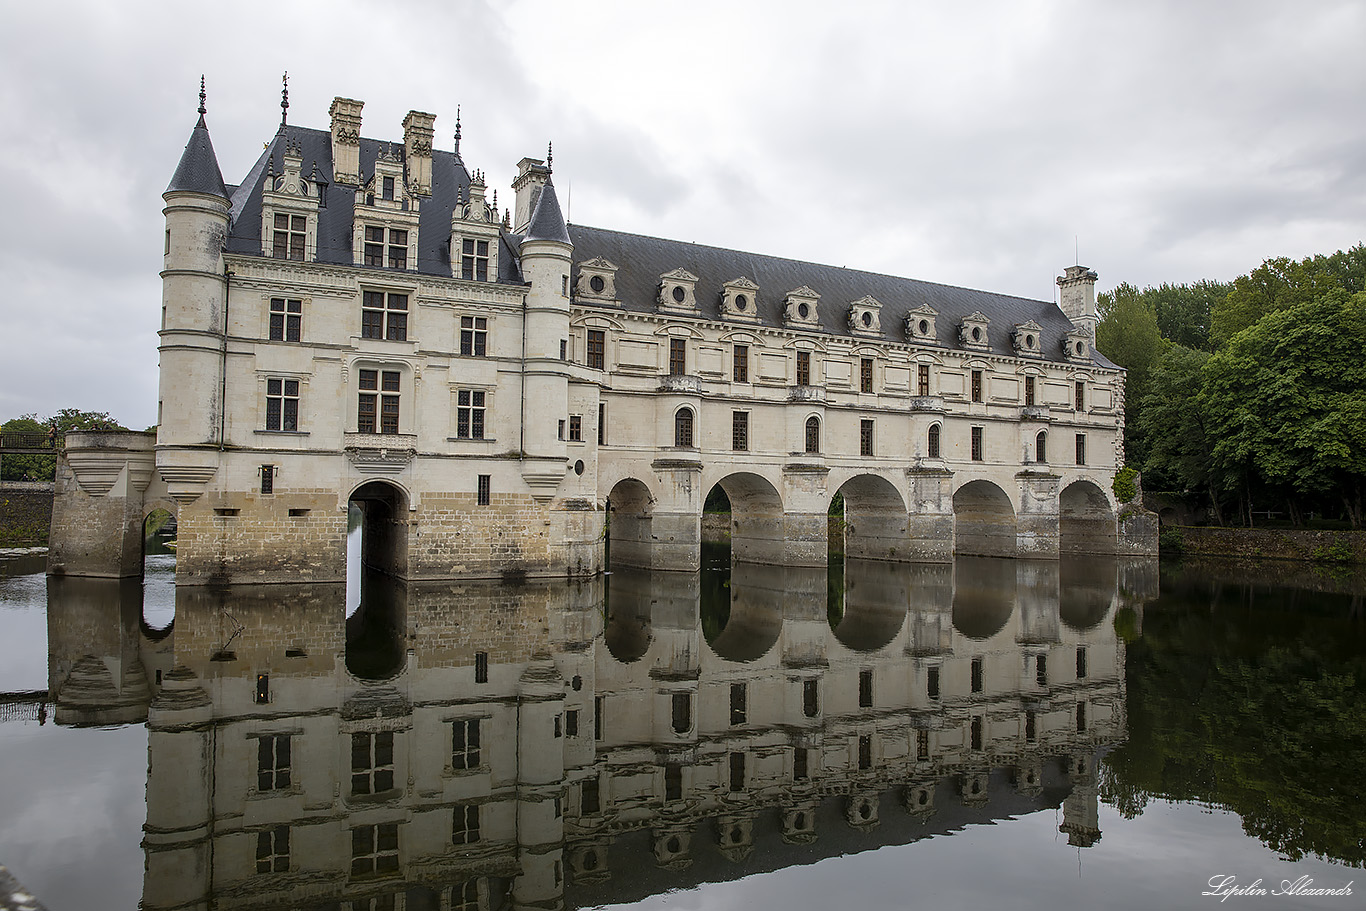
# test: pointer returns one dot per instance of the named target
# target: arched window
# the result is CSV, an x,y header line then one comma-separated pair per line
x,y
933,441
1041,446
813,434
683,428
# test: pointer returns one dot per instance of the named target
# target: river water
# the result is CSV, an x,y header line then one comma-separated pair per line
x,y
996,733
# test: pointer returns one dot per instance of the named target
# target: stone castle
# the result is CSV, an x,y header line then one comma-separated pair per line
x,y
357,324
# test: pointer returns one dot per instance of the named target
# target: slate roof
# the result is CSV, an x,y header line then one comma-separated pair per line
x,y
335,220
198,169
547,221
642,260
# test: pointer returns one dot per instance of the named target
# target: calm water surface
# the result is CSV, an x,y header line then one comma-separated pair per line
x,y
996,733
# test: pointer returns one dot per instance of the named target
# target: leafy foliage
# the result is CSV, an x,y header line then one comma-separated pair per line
x,y
44,467
1128,335
1124,486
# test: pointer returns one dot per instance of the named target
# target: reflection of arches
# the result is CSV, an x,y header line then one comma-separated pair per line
x,y
683,428
376,644
874,518
1086,523
984,521
1088,586
749,623
627,633
630,510
984,595
874,609
384,527
756,518
813,434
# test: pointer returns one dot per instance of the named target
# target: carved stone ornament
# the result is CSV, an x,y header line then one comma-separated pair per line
x,y
597,280
799,307
678,291
740,300
1027,339
920,324
973,331
865,316
1076,346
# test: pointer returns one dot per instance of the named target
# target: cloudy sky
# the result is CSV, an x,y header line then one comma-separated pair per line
x,y
974,143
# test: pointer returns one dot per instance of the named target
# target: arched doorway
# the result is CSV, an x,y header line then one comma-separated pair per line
x,y
630,510
379,511
874,519
377,564
159,541
756,519
1086,523
983,521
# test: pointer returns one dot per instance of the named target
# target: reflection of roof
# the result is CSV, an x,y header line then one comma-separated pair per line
x,y
835,837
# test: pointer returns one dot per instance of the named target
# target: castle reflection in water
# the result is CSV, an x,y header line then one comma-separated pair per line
x,y
462,746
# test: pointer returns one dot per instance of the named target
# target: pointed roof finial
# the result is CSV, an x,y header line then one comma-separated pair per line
x,y
284,100
202,96
457,131
550,157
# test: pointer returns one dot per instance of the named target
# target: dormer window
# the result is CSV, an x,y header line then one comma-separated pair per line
x,y
1026,339
1076,346
386,246
677,291
973,332
289,209
597,280
865,316
920,324
740,300
388,188
799,308
290,236
474,259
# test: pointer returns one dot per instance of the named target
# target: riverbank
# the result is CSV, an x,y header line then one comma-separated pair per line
x,y
25,513
1300,544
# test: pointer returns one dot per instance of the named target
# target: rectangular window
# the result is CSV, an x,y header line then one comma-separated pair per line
x,y
737,771
384,315
469,414
811,705
977,444
1081,396
1041,670
559,432
976,732
678,356
590,797
800,769
597,349
682,713
374,849
484,494
267,479
289,237
865,375
1031,726
1081,663
398,249
803,368
474,260
465,743
865,437
602,423
598,705
1081,449
465,824
740,364
922,745
673,782
865,689
865,751
932,682
564,349
924,371
474,333
576,428
374,246
272,850
1029,391
286,319
282,404
977,385
1081,717
377,407
272,762
571,723
372,762
481,667
738,703
977,675
387,188
739,431
388,404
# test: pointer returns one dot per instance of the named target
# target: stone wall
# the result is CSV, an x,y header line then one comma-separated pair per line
x,y
25,513
1274,543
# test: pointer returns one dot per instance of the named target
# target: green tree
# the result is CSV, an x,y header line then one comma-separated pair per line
x,y
44,467
1128,335
1179,454
1278,284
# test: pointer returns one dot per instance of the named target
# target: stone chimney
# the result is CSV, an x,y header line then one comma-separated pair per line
x,y
1079,298
346,140
532,173
417,148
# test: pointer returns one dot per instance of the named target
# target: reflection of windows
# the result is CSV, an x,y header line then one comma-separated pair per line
x,y
683,427
976,732
272,762
481,667
1081,662
465,743
465,824
813,434
474,334
800,769
977,675
922,745
865,689
571,723
384,315
1081,717
811,705
1041,670
865,751
590,797
673,781
272,850
288,237
597,349
599,705
469,414
803,368
738,703
282,404
286,319
682,713
372,762
1031,726
465,896
737,771
375,412
374,849
932,682
932,442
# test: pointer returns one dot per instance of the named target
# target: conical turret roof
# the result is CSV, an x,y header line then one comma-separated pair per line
x,y
198,169
547,222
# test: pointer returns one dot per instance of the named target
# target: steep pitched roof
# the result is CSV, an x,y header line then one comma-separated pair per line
x,y
642,260
198,169
547,221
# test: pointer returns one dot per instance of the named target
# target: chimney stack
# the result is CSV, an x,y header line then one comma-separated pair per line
x,y
1079,298
532,174
346,140
417,148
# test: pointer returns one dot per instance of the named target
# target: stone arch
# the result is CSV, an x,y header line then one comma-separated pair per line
x,y
983,520
1087,523
630,513
756,518
874,518
384,526
984,596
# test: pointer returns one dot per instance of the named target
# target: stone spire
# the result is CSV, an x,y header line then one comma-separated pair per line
x,y
284,101
198,170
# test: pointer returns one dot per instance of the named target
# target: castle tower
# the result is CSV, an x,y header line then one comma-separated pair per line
x,y
1078,285
194,290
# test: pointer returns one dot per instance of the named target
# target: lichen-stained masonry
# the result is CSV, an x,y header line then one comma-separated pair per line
x,y
359,315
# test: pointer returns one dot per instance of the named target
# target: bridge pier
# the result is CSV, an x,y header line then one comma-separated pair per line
x,y
929,525
97,504
1036,526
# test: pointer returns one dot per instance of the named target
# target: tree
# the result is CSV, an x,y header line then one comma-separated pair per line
x,y
1128,335
1179,450
44,467
1278,284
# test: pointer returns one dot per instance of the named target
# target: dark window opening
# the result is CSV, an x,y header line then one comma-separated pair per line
x,y
286,319
372,762
865,751
682,713
977,675
484,495
865,375
865,437
865,689
481,667
739,431
810,698
932,441
737,771
738,703
740,364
